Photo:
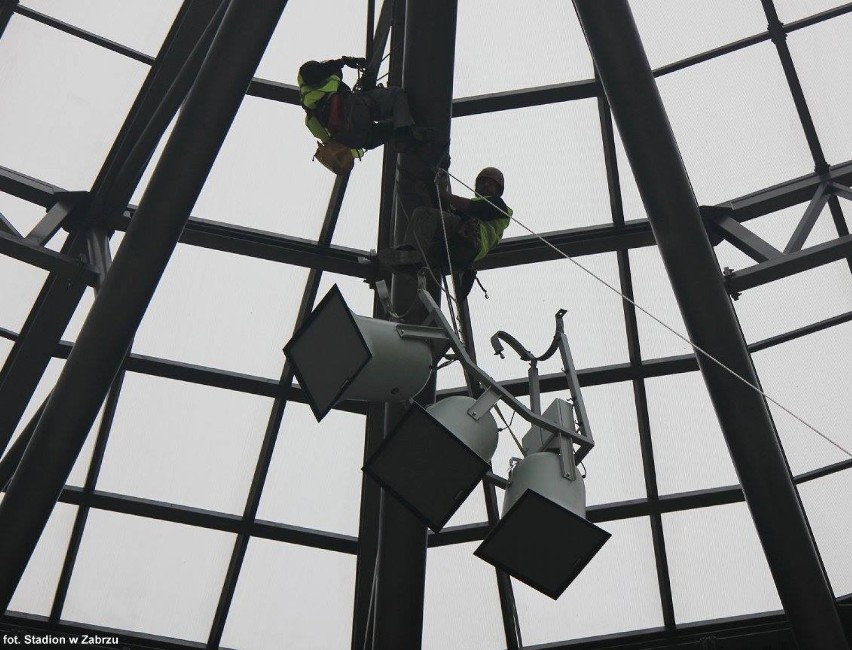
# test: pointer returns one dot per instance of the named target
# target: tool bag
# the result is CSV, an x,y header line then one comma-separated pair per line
x,y
335,157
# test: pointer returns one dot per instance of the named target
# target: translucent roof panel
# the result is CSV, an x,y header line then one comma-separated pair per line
x,y
92,87
34,594
184,443
673,30
185,321
718,549
555,176
21,214
131,23
283,599
616,592
831,519
20,285
816,51
461,608
789,10
298,37
554,49
148,576
735,124
315,477
689,448
524,306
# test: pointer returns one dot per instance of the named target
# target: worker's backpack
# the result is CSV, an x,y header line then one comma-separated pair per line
x,y
335,157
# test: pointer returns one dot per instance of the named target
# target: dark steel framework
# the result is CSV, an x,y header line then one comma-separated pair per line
x,y
84,262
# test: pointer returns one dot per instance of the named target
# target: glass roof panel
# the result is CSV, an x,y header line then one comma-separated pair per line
x,y
305,32
283,599
461,587
524,303
130,23
652,290
689,449
35,592
735,124
20,285
5,348
673,30
94,88
21,214
146,575
809,376
357,225
616,592
716,564
263,176
554,49
184,443
817,51
185,321
831,520
789,10
315,477
555,176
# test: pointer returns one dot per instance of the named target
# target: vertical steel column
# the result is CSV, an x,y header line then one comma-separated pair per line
x,y
363,606
120,305
430,30
711,322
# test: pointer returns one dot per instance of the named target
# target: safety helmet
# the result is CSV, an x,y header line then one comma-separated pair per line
x,y
495,175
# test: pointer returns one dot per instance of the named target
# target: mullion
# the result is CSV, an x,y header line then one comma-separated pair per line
x,y
635,357
276,416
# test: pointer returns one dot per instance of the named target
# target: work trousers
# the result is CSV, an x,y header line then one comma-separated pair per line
x,y
425,233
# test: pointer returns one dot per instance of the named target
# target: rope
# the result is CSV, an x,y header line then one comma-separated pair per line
x,y
417,241
509,427
696,348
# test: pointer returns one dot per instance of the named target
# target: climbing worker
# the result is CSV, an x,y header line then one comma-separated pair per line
x,y
357,119
473,228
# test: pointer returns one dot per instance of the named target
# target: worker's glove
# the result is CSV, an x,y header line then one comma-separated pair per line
x,y
355,62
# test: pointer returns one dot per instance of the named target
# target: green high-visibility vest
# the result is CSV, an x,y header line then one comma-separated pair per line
x,y
491,232
311,97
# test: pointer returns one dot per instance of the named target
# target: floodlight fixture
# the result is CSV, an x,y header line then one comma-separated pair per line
x,y
543,538
337,355
435,457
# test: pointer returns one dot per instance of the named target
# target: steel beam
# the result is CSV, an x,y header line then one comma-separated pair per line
x,y
273,426
745,240
787,265
120,305
7,8
58,216
7,227
808,220
62,264
646,445
711,322
83,35
36,343
430,31
363,604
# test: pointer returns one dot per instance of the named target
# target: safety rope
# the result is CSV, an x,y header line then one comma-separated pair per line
x,y
419,244
695,347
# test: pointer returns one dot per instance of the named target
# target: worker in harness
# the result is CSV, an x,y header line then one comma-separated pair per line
x,y
474,227
358,119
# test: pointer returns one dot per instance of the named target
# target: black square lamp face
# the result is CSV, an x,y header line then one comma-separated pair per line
x,y
327,352
542,544
428,469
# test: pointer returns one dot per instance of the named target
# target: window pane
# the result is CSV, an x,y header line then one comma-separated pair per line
x,y
35,592
716,564
291,597
461,587
184,443
148,576
616,592
94,88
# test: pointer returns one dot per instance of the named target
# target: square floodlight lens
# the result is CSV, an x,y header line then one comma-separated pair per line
x,y
327,352
542,544
426,467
